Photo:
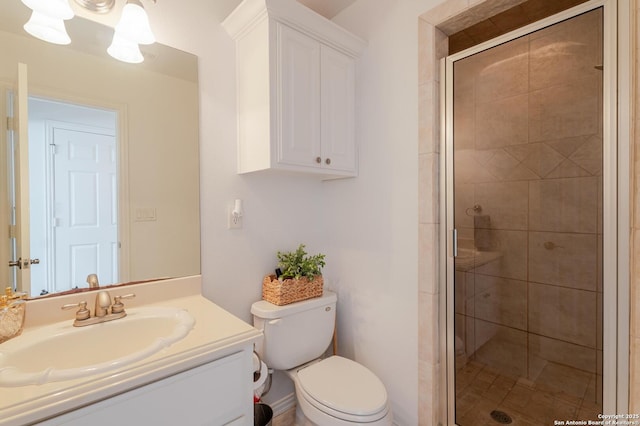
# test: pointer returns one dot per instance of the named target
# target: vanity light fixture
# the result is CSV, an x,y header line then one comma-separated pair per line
x,y
133,29
125,50
134,23
47,20
98,6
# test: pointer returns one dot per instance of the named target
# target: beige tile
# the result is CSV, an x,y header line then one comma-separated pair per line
x,y
501,301
426,386
540,158
502,348
563,313
567,260
504,167
591,402
538,407
589,155
502,122
466,403
564,383
585,413
568,146
469,336
288,418
426,52
471,166
569,52
429,398
428,338
635,283
428,188
464,291
564,205
543,350
465,199
519,397
497,392
478,414
634,376
442,48
564,111
444,11
513,247
505,202
464,120
567,169
428,258
429,118
505,72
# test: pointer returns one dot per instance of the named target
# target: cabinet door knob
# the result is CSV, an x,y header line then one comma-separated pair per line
x,y
318,160
327,161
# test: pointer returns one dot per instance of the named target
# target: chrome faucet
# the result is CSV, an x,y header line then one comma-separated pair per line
x,y
104,310
92,279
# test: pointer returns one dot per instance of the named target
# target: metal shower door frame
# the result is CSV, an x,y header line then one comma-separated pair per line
x,y
616,180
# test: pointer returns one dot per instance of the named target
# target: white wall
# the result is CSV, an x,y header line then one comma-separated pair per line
x,y
367,226
374,219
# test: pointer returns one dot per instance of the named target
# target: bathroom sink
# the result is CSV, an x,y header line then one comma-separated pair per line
x,y
60,351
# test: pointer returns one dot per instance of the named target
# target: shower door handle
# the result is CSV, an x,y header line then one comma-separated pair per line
x,y
454,242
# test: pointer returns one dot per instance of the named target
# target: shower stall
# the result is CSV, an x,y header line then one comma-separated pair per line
x,y
530,160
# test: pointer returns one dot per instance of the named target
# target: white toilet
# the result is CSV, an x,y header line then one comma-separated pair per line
x,y
330,392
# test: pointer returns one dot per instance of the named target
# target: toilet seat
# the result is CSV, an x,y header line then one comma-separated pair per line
x,y
343,389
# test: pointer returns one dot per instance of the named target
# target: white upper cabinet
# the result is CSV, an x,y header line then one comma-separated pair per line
x,y
296,89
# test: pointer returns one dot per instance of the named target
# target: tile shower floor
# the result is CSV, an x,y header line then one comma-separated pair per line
x,y
559,393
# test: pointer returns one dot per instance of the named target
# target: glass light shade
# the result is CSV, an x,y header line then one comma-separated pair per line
x,y
125,50
134,24
47,28
59,9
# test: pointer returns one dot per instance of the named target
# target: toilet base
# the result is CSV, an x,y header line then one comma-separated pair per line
x,y
301,419
324,419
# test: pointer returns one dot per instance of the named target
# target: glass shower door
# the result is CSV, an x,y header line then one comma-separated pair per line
x,y
528,185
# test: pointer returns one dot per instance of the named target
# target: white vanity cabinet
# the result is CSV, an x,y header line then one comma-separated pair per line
x,y
296,89
203,378
216,393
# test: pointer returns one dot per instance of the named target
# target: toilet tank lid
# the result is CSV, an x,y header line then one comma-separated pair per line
x,y
267,310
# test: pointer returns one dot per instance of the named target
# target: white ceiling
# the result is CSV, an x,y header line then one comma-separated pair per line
x,y
326,8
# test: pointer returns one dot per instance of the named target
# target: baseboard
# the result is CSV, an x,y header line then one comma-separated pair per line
x,y
283,405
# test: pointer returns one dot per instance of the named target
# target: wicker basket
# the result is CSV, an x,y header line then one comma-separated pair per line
x,y
290,290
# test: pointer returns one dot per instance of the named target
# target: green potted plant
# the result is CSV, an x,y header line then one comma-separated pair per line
x,y
299,278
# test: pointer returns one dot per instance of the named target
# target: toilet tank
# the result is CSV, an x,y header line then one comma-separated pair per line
x,y
296,333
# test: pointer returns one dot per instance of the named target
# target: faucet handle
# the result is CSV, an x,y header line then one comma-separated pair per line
x,y
118,306
82,313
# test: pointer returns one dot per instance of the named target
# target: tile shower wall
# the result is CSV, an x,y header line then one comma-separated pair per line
x,y
528,156
429,23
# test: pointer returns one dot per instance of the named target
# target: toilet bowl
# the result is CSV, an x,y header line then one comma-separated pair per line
x,y
339,392
334,391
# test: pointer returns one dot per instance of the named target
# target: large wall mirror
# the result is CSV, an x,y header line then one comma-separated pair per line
x,y
113,169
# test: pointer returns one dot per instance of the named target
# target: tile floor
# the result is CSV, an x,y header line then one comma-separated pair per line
x,y
288,418
559,393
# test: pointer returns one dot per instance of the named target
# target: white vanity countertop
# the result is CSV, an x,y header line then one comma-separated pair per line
x,y
216,333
